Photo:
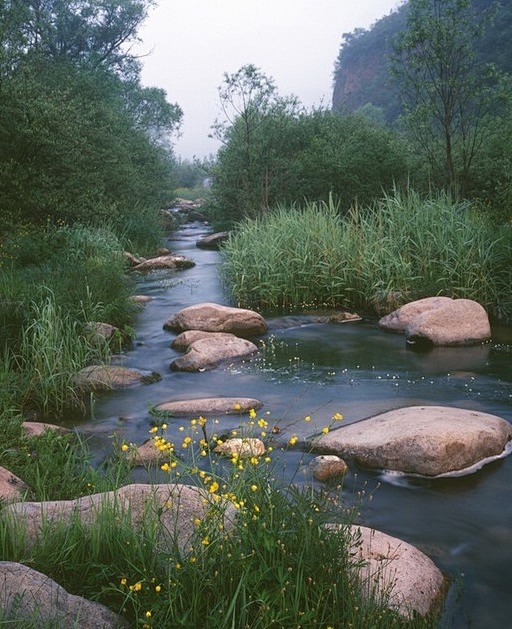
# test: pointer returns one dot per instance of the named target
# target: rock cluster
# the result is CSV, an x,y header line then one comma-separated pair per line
x,y
212,334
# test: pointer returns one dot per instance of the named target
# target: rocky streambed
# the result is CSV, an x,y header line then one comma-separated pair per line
x,y
303,367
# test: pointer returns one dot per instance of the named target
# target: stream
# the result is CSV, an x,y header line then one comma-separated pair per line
x,y
464,524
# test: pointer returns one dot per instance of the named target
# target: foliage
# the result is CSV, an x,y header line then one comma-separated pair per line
x,y
295,155
295,258
444,91
90,32
80,138
361,72
51,286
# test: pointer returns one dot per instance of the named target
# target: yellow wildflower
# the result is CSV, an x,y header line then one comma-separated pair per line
x,y
325,430
125,447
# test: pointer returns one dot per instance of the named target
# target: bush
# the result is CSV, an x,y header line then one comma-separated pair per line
x,y
296,156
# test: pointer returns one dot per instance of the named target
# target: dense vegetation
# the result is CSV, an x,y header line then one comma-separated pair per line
x,y
85,162
80,138
374,260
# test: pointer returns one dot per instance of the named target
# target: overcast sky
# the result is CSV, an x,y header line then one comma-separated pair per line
x,y
191,43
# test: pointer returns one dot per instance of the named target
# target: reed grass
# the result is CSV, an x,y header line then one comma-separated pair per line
x,y
52,352
297,258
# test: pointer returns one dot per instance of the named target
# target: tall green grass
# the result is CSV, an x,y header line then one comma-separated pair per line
x,y
295,258
277,566
52,352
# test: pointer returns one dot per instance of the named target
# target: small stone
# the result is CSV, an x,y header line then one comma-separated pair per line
x,y
327,466
243,447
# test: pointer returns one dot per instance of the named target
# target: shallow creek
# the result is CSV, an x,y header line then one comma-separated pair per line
x,y
464,524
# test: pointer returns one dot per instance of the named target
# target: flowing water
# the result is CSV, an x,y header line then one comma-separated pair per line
x,y
464,524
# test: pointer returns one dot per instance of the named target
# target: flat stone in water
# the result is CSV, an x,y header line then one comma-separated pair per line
x,y
210,406
424,440
211,317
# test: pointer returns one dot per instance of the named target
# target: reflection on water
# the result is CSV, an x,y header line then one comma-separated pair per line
x,y
306,368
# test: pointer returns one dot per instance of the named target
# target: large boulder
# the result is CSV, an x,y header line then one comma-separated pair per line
x,y
440,321
209,353
461,322
213,241
28,596
211,317
398,320
390,569
174,506
425,440
210,406
168,261
105,377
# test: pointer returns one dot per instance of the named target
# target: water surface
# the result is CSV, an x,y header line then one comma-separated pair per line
x,y
306,368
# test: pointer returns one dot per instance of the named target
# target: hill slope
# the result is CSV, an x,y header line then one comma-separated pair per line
x,y
361,76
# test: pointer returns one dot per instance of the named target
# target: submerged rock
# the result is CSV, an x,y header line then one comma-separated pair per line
x,y
36,429
105,377
425,440
210,406
30,596
141,299
397,572
209,353
440,321
211,317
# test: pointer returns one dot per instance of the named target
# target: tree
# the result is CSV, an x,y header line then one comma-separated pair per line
x,y
248,99
92,32
444,91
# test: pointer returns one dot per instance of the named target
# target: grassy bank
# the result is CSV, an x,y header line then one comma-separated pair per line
x,y
275,564
405,246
